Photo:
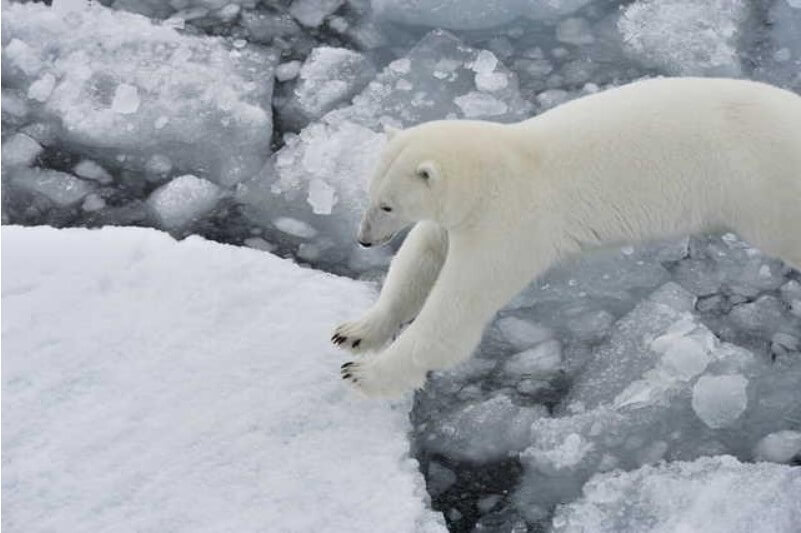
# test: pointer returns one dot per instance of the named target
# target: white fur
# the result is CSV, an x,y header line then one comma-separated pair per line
x,y
496,205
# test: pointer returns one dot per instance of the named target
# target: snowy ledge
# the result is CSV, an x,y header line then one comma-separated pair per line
x,y
155,385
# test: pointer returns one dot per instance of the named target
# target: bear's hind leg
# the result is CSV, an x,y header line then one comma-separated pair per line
x,y
411,275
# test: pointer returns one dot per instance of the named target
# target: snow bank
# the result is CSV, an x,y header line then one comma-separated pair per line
x,y
713,495
155,385
119,86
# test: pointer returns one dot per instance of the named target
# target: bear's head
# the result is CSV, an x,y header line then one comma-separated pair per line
x,y
429,172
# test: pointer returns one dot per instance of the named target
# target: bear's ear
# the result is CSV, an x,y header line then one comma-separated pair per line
x,y
426,171
390,132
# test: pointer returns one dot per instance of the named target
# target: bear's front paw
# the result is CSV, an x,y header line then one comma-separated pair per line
x,y
378,377
368,334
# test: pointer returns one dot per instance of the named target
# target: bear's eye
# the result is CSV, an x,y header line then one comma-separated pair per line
x,y
423,173
386,208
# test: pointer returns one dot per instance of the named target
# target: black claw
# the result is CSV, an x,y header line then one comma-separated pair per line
x,y
357,342
346,376
346,365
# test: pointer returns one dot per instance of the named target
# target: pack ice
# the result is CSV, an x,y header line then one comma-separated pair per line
x,y
134,93
712,494
619,361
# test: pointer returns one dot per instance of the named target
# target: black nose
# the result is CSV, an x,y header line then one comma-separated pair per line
x,y
365,244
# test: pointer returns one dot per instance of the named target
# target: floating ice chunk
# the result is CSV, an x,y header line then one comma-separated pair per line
x,y
287,71
264,26
93,202
22,56
330,76
543,359
552,98
779,447
15,108
628,354
491,81
90,170
765,315
712,494
720,400
334,155
401,66
484,431
471,14
566,455
322,197
487,79
456,378
522,333
20,150
183,201
63,189
685,37
311,13
477,104
41,89
592,326
126,99
295,227
718,261
574,30
119,76
686,357
687,349
227,13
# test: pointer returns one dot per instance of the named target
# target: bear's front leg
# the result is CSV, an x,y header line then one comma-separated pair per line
x,y
412,273
390,373
476,280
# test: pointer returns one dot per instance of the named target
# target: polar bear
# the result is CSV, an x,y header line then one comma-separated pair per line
x,y
495,205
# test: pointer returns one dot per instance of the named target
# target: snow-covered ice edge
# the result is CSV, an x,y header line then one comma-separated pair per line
x,y
155,385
